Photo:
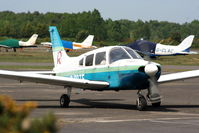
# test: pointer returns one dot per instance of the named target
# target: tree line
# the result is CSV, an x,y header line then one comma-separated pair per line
x,y
78,25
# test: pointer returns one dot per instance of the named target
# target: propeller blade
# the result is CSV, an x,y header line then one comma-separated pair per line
x,y
153,92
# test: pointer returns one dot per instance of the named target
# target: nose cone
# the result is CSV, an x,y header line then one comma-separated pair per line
x,y
151,69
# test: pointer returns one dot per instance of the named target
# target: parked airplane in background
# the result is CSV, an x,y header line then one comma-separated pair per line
x,y
69,46
13,43
104,69
153,49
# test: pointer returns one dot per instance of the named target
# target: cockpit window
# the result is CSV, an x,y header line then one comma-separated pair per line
x,y
118,54
89,60
100,58
133,54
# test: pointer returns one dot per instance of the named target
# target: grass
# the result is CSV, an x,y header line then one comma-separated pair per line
x,y
192,60
33,55
17,67
26,56
39,55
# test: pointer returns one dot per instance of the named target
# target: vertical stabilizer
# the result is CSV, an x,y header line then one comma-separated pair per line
x,y
88,41
186,43
33,39
59,55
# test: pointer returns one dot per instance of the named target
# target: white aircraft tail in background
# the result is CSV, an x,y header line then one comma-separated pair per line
x,y
87,43
30,42
185,45
182,49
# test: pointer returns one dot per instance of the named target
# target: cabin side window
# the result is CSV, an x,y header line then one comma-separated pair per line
x,y
89,60
100,58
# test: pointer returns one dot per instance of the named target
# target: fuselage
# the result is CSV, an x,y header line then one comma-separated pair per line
x,y
68,45
119,66
157,49
162,50
10,43
13,43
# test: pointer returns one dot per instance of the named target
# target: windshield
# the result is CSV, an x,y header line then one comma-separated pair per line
x,y
118,54
133,54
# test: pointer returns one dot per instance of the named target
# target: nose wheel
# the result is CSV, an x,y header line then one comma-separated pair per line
x,y
141,102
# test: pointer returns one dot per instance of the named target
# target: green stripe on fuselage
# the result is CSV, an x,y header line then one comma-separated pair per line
x,y
57,49
98,70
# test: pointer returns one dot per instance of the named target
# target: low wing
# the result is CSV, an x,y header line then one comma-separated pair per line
x,y
178,76
39,72
1,45
54,80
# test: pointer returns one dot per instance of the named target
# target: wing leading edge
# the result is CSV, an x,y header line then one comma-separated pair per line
x,y
53,80
178,76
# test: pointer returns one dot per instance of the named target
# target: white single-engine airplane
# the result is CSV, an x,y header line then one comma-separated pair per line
x,y
108,68
70,46
13,43
157,49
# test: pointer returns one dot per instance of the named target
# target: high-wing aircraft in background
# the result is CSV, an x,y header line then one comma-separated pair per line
x,y
69,46
13,43
103,69
157,49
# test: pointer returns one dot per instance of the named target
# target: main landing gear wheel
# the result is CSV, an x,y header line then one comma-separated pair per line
x,y
141,103
64,101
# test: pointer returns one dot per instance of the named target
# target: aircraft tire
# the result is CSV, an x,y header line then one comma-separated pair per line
x,y
64,101
141,103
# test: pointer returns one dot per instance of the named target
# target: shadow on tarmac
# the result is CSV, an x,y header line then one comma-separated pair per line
x,y
107,104
36,100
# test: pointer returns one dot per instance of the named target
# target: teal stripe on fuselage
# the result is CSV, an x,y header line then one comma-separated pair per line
x,y
117,77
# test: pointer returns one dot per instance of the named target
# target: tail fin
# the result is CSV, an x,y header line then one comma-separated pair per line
x,y
59,55
33,39
88,41
186,43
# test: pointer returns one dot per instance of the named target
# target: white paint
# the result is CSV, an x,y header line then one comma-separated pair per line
x,y
151,69
170,50
30,42
170,120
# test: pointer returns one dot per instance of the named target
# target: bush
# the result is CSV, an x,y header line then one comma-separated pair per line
x,y
14,118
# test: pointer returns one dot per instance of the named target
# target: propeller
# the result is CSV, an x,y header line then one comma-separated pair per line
x,y
153,92
151,70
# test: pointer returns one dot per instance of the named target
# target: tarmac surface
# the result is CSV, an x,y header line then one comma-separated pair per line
x,y
113,112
